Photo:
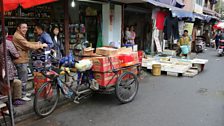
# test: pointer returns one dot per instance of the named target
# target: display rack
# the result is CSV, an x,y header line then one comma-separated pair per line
x,y
31,16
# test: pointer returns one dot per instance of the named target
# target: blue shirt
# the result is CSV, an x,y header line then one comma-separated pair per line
x,y
46,38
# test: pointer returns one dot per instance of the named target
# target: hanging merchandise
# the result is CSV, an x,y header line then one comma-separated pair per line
x,y
100,36
160,18
171,28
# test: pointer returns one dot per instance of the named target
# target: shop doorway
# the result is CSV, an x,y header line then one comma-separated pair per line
x,y
90,15
140,19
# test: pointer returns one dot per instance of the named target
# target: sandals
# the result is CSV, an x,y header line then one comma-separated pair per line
x,y
18,102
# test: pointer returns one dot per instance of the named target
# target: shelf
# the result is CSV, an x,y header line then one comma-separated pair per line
x,y
25,18
11,26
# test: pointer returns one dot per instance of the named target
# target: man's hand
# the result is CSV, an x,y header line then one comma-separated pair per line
x,y
45,45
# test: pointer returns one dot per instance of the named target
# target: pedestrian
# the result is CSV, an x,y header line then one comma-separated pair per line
x,y
43,36
183,41
16,85
23,47
127,35
217,38
207,38
132,36
58,47
222,35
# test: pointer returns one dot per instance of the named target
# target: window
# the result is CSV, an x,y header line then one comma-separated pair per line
x,y
199,2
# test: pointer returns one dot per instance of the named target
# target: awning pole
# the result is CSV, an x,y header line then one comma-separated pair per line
x,y
6,67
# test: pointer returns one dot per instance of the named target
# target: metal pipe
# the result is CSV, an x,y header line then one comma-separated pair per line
x,y
6,67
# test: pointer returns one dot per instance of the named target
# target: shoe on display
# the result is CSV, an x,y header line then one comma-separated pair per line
x,y
28,94
26,98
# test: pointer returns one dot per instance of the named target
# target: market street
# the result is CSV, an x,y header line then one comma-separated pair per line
x,y
161,101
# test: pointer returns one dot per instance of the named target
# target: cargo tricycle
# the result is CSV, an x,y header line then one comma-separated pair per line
x,y
122,82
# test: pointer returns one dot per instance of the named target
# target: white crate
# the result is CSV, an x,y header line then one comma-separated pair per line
x,y
172,74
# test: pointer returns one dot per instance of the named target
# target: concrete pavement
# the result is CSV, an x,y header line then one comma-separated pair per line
x,y
161,101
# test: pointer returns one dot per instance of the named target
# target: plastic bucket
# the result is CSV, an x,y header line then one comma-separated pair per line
x,y
184,49
156,69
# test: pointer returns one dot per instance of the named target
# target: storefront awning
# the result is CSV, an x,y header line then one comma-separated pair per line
x,y
208,11
181,13
130,1
176,12
200,16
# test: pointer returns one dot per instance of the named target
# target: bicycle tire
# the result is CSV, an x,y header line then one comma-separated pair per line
x,y
118,92
50,106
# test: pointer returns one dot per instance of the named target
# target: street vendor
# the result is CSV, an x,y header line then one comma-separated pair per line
x,y
183,41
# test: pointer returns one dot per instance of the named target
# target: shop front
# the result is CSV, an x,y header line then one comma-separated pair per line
x,y
137,19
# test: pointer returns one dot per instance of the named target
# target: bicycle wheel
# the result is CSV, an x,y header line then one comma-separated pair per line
x,y
126,87
46,99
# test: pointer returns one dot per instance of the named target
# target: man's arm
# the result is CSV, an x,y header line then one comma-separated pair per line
x,y
48,40
29,45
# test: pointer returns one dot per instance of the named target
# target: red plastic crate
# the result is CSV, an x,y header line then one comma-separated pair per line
x,y
39,80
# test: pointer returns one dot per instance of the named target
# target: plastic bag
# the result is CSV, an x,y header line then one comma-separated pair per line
x,y
84,65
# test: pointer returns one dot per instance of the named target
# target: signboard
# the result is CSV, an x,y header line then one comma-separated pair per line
x,y
156,39
189,27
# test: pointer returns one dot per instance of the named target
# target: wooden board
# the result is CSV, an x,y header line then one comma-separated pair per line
x,y
158,46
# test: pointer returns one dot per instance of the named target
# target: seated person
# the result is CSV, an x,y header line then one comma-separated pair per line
x,y
183,41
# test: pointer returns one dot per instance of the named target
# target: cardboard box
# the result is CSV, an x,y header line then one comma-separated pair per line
x,y
88,51
134,70
105,51
106,79
128,59
124,50
104,64
135,56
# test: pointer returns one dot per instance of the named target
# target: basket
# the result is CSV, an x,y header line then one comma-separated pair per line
x,y
185,49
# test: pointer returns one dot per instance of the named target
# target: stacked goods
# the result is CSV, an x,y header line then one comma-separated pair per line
x,y
113,59
88,51
102,66
39,80
106,79
124,50
105,64
41,60
128,59
105,51
135,56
